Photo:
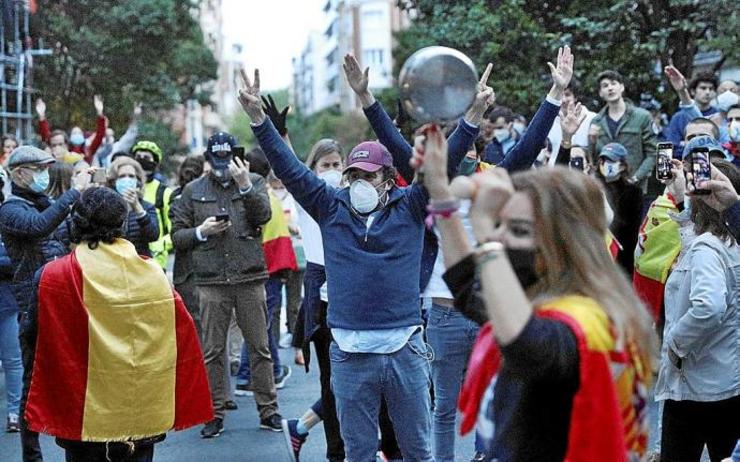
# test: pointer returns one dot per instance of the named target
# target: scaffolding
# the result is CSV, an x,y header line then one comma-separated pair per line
x,y
16,68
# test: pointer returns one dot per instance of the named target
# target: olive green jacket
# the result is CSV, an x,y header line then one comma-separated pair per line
x,y
635,133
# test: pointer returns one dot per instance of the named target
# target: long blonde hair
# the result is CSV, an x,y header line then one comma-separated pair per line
x,y
571,230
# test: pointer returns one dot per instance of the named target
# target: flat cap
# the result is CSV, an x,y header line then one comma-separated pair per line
x,y
28,155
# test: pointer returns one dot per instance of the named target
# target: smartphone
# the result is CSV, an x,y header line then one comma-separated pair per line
x,y
99,176
238,151
576,163
700,169
663,166
222,217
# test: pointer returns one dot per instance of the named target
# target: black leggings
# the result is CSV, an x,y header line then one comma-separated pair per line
x,y
689,425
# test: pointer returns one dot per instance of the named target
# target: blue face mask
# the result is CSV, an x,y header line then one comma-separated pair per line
x,y
40,181
502,134
77,139
124,184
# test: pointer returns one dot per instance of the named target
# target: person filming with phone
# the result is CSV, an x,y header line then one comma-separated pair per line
x,y
219,219
702,299
28,220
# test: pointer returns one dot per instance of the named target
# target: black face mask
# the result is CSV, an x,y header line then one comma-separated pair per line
x,y
149,167
523,263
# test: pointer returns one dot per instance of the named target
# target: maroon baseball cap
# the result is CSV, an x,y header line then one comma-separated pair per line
x,y
369,156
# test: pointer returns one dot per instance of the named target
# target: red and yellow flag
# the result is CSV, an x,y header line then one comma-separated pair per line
x,y
657,248
117,355
276,242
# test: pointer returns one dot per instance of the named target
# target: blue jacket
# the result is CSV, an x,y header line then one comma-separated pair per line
x,y
372,270
520,157
7,299
28,231
677,127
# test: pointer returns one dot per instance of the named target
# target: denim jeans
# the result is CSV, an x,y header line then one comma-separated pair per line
x,y
10,355
451,336
360,380
273,293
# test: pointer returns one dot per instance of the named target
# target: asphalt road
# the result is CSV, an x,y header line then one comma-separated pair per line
x,y
242,439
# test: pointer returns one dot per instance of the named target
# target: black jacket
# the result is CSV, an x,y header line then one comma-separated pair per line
x,y
235,255
28,223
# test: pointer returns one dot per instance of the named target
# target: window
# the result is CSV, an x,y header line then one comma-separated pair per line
x,y
372,19
374,56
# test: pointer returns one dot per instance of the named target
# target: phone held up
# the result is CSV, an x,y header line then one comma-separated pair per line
x,y
700,169
222,217
663,165
99,176
576,163
238,151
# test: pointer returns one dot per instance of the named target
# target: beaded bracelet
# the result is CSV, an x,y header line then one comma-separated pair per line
x,y
441,208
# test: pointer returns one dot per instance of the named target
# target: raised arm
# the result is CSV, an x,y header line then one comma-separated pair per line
x,y
524,153
314,195
100,125
44,130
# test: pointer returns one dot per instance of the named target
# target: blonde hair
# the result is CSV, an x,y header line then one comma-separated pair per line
x,y
323,148
571,228
121,162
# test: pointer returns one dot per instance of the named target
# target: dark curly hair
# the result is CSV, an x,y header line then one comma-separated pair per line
x,y
98,217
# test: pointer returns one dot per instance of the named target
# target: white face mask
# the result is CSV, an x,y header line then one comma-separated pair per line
x,y
726,100
332,177
610,170
502,134
363,196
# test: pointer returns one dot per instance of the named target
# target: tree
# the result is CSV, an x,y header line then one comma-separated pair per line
x,y
520,36
126,50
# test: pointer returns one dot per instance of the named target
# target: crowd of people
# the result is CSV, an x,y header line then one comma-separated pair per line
x,y
538,282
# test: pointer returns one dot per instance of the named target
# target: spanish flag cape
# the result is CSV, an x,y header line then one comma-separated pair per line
x,y
276,242
657,248
117,355
608,417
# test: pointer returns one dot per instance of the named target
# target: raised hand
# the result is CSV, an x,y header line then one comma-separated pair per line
x,y
484,98
563,72
239,170
723,194
278,118
433,149
677,80
249,97
357,78
98,103
492,190
571,119
41,108
137,109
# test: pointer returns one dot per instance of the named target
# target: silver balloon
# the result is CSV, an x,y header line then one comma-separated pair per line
x,y
438,84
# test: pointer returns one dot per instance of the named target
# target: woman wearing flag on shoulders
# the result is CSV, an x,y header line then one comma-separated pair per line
x,y
116,362
568,340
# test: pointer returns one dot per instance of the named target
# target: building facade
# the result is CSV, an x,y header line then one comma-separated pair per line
x,y
362,27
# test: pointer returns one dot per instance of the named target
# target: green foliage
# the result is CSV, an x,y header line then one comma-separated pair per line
x,y
520,36
304,131
126,50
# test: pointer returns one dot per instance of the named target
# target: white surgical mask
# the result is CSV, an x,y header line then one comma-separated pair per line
x,y
519,127
332,177
726,100
363,196
502,134
610,170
